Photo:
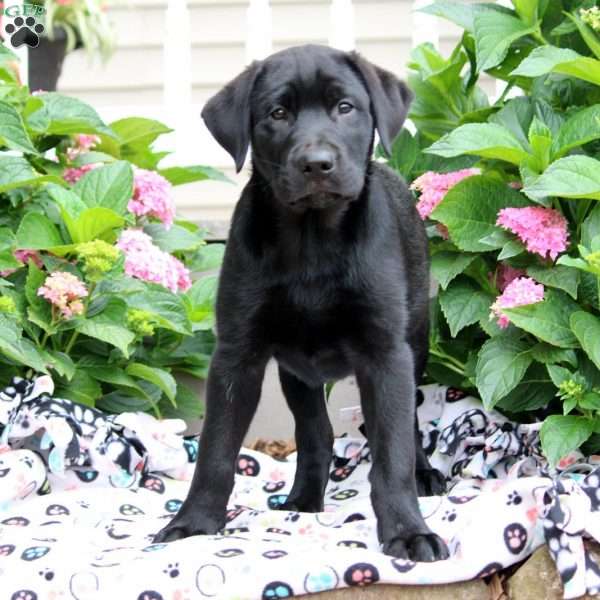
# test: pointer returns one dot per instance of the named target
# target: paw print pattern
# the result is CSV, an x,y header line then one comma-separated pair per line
x,y
292,517
461,499
341,473
273,554
276,500
229,553
47,574
515,538
278,530
403,565
24,31
154,484
344,495
489,570
34,552
6,550
4,471
351,544
449,515
86,476
150,595
514,498
130,510
273,486
321,580
16,521
173,505
24,595
361,574
354,517
172,570
454,394
246,465
57,509
277,589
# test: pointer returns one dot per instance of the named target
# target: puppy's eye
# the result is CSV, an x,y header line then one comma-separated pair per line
x,y
279,113
345,107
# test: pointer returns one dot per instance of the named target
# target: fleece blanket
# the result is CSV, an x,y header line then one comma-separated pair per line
x,y
82,493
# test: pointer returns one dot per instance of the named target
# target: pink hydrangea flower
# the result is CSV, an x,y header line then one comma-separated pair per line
x,y
518,292
74,174
152,196
434,186
83,143
64,290
146,261
542,230
24,256
505,274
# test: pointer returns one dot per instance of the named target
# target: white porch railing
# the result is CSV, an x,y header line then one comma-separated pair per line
x,y
191,141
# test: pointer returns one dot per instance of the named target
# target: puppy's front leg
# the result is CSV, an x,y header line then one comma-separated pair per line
x,y
232,394
387,391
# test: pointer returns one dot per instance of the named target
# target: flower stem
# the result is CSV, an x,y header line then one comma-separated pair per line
x,y
71,342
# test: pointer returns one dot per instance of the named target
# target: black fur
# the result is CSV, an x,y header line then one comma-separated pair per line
x,y
326,270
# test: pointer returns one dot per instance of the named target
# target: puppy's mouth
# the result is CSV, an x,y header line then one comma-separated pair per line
x,y
317,200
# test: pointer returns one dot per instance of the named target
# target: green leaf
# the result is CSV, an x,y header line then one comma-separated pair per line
x,y
188,405
202,297
37,232
117,377
159,377
550,59
516,116
463,303
547,320
461,13
175,239
579,129
405,150
561,277
12,130
110,186
527,10
82,389
95,223
558,374
549,355
15,172
64,115
61,363
501,364
510,249
562,434
208,257
181,175
570,177
482,139
165,307
470,210
494,33
138,131
446,265
108,326
534,391
586,327
587,33
590,228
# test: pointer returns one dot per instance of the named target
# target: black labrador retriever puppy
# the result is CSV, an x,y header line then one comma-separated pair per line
x,y
326,270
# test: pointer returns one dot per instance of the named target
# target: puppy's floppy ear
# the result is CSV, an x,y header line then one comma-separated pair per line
x,y
227,114
390,99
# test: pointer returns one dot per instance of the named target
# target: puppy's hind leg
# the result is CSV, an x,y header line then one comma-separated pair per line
x,y
314,439
430,482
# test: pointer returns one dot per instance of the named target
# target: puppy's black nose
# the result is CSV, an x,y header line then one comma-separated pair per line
x,y
317,163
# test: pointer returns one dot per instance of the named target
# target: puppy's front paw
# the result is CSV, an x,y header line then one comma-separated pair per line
x,y
183,526
423,547
430,482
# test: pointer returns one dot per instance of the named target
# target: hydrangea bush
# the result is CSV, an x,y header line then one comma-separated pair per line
x,y
509,190
96,269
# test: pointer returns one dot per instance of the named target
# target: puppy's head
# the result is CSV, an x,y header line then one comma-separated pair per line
x,y
310,114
